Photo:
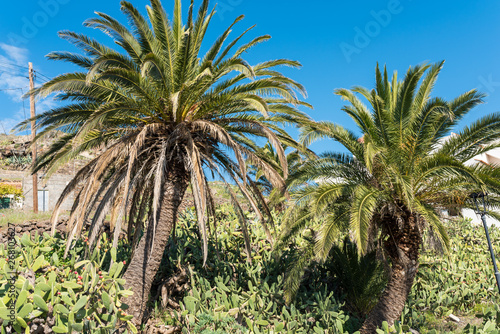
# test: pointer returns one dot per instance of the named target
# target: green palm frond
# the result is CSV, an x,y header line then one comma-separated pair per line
x,y
364,203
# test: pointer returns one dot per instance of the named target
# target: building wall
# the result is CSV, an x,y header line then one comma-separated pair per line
x,y
55,186
476,219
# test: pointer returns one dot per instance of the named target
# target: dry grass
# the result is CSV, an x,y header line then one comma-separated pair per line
x,y
18,216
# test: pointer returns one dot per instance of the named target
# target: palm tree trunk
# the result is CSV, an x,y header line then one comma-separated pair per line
x,y
403,249
147,256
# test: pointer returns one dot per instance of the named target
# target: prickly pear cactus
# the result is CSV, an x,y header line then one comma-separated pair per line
x,y
42,293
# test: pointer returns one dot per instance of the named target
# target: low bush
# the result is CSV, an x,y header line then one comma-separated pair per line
x,y
8,189
251,292
360,279
17,162
462,283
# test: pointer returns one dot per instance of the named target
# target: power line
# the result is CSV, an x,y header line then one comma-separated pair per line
x,y
12,67
15,65
22,99
16,74
43,75
1,90
42,80
20,70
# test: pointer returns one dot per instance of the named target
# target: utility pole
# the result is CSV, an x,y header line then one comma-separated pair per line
x,y
483,212
33,134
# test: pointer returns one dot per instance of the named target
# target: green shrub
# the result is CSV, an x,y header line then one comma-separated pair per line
x,y
231,287
8,189
360,278
252,292
490,325
260,307
15,161
207,324
461,283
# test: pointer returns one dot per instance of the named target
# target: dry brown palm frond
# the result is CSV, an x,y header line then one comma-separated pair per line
x,y
199,192
256,209
269,172
222,136
102,208
80,176
158,182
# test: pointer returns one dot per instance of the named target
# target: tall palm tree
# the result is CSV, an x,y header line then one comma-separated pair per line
x,y
395,178
163,115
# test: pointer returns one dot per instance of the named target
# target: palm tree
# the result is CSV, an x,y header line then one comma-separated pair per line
x,y
162,116
395,178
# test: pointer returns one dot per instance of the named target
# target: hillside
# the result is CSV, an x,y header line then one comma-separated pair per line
x,y
15,154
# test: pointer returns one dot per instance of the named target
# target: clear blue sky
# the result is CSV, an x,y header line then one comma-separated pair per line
x,y
338,43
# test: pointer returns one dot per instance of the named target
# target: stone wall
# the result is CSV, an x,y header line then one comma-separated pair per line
x,y
31,227
11,175
40,227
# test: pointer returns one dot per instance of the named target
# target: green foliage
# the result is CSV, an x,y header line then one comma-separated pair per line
x,y
8,189
251,292
490,325
164,97
462,283
401,167
207,324
360,278
15,161
233,295
396,329
260,305
75,295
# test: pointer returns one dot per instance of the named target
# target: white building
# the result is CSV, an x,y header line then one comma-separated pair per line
x,y
492,158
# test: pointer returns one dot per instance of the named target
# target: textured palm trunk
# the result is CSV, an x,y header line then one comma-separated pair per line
x,y
149,252
403,249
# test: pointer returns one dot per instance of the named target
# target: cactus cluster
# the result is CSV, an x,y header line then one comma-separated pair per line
x,y
61,295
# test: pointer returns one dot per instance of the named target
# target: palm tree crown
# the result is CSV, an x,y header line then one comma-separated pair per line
x,y
163,115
